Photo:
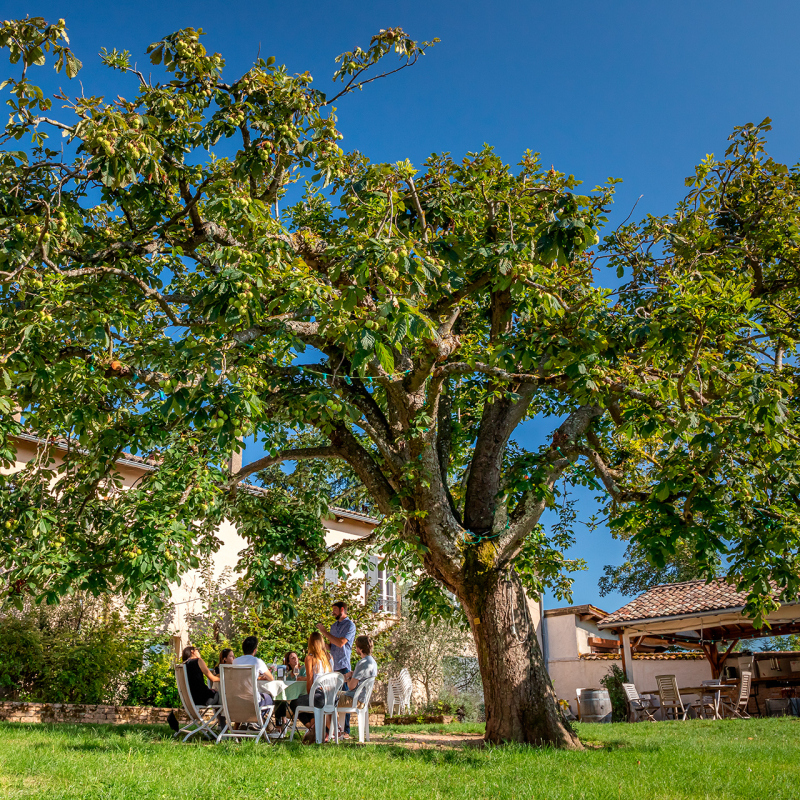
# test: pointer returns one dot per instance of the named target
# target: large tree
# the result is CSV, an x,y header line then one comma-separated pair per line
x,y
156,302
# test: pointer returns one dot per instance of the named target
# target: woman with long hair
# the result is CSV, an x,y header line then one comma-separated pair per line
x,y
292,663
317,662
196,672
225,657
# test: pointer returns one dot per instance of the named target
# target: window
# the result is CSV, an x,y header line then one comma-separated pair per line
x,y
382,589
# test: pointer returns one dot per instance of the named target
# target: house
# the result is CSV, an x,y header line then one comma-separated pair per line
x,y
579,653
344,525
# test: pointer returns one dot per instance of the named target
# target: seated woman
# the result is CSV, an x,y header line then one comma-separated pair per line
x,y
292,662
317,662
225,657
196,669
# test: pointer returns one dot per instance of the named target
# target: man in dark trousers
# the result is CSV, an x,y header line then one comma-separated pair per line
x,y
341,637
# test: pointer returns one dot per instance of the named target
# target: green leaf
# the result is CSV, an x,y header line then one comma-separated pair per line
x,y
385,357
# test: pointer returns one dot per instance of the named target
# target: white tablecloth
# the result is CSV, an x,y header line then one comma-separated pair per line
x,y
283,690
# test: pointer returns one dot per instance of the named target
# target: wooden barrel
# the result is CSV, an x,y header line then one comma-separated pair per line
x,y
595,705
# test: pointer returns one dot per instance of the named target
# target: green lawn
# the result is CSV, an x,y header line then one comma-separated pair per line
x,y
757,759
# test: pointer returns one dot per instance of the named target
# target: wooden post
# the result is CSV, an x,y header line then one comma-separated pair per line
x,y
716,659
627,656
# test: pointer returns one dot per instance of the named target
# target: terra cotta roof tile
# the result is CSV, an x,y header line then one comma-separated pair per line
x,y
674,599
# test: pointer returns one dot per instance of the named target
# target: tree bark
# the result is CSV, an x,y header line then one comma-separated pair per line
x,y
521,704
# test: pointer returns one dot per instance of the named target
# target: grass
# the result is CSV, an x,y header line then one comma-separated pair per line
x,y
757,759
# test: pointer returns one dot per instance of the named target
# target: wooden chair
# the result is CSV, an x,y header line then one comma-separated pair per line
x,y
639,708
737,707
670,697
197,721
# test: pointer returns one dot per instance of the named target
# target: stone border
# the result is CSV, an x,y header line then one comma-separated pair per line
x,y
80,714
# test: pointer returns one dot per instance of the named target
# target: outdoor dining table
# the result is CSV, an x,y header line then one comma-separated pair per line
x,y
283,690
716,689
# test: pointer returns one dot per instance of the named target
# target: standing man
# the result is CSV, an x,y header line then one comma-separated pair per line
x,y
340,637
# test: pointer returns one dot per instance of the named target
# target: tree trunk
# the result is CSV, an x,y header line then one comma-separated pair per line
x,y
521,704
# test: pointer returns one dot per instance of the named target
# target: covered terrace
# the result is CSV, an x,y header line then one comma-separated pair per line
x,y
695,615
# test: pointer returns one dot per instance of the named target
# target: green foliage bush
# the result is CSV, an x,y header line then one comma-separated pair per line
x,y
78,652
21,657
466,706
613,682
154,684
82,652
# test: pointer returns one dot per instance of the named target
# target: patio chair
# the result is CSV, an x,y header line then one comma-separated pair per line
x,y
399,691
241,703
359,705
639,708
197,721
330,683
670,697
737,707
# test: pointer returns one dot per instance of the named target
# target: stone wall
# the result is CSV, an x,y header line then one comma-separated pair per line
x,y
90,714
107,715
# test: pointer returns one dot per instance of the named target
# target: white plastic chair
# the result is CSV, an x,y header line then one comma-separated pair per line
x,y
241,703
330,683
359,704
399,691
578,701
197,722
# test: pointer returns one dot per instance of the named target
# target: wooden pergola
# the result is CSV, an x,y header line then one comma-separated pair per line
x,y
696,616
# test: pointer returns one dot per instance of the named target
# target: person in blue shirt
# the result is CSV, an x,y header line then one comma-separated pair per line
x,y
340,639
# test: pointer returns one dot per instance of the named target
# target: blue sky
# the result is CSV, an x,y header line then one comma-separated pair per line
x,y
636,90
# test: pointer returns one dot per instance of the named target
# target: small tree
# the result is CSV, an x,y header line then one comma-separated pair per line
x,y
422,647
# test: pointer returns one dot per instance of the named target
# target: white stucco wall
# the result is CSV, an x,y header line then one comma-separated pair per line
x,y
569,675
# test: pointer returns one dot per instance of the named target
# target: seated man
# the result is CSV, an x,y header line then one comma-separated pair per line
x,y
249,648
367,667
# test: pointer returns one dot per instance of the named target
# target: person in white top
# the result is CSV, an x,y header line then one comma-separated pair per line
x,y
249,649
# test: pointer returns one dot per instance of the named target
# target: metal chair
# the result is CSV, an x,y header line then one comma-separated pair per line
x,y
639,708
197,722
399,692
737,707
241,703
670,697
330,683
359,705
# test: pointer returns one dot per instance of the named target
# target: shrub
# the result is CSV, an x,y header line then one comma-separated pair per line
x,y
83,651
466,706
21,657
613,682
154,684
